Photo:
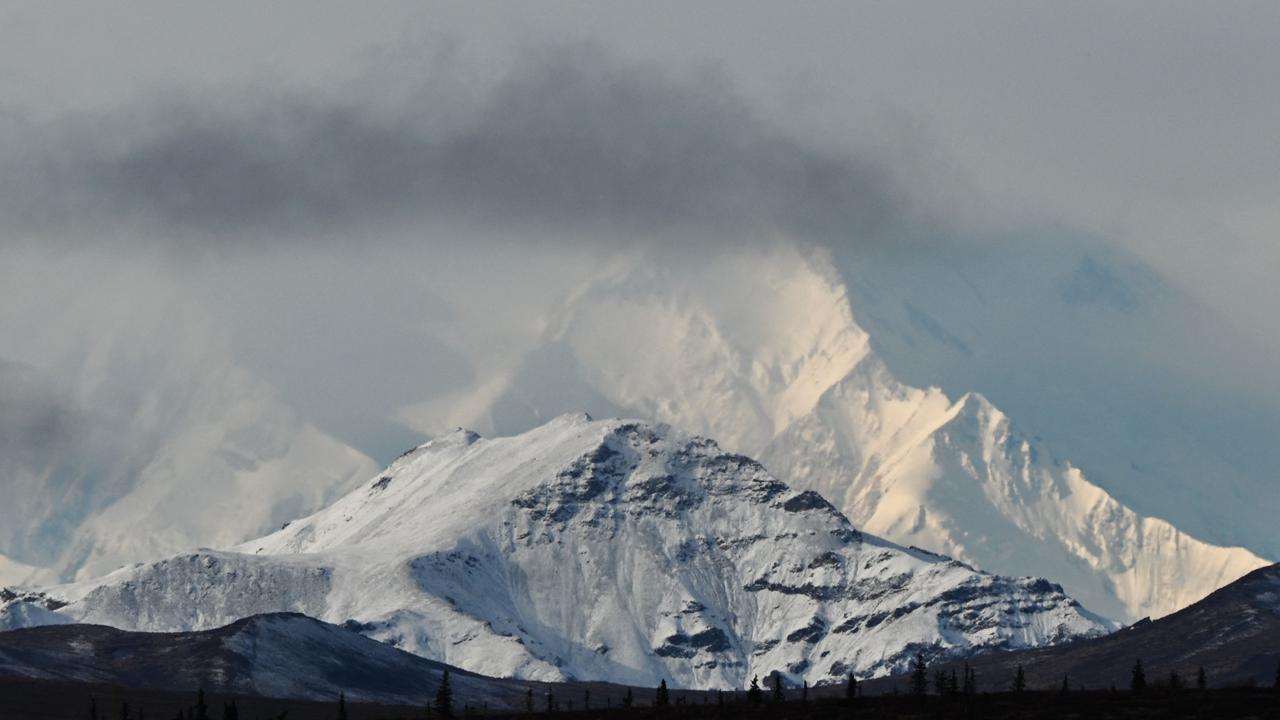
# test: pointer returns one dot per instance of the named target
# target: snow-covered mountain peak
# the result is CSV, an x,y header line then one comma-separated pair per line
x,y
762,351
616,550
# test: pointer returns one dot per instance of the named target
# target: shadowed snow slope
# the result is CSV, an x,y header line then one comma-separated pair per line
x,y
761,351
604,550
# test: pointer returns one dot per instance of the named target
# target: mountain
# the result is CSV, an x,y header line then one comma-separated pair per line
x,y
602,550
1234,634
1132,378
128,432
281,655
760,348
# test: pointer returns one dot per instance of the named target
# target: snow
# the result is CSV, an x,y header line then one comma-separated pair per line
x,y
153,447
21,614
761,350
606,550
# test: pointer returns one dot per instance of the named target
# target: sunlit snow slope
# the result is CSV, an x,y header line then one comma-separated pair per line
x,y
761,350
608,550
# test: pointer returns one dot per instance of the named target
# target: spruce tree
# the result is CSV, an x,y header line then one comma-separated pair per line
x,y
229,711
1019,683
851,688
551,702
940,682
661,698
528,701
202,710
1276,684
804,694
778,695
1175,681
628,700
1138,677
754,694
93,708
1202,680
124,711
342,706
970,680
919,676
1066,684
586,699
444,697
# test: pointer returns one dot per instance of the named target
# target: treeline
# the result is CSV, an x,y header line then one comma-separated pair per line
x,y
944,689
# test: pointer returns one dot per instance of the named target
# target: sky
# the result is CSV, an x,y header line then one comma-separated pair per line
x,y
312,180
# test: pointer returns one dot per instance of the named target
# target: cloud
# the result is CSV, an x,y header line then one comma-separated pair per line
x,y
569,138
34,420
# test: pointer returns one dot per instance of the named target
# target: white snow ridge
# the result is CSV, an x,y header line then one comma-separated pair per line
x,y
611,550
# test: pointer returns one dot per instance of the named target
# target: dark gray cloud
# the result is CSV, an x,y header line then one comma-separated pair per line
x,y
568,138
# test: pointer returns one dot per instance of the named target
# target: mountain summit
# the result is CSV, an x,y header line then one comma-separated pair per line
x,y
610,550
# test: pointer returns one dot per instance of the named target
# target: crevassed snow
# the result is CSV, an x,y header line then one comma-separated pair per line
x,y
609,550
761,350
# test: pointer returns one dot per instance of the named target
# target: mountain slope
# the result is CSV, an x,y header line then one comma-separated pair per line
x,y
606,550
128,432
1232,634
1130,377
761,350
281,655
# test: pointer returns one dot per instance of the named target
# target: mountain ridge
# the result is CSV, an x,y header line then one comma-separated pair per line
x,y
603,550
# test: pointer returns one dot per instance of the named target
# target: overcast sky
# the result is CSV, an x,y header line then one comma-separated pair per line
x,y
249,129
1152,123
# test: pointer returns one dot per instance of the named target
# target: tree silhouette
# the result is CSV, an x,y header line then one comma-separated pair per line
x,y
444,696
1138,677
778,695
628,700
1202,681
93,708
342,706
528,701
1066,684
940,682
1175,681
919,676
851,688
202,710
229,711
1019,683
804,694
754,695
662,698
551,702
1276,684
970,680
124,711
